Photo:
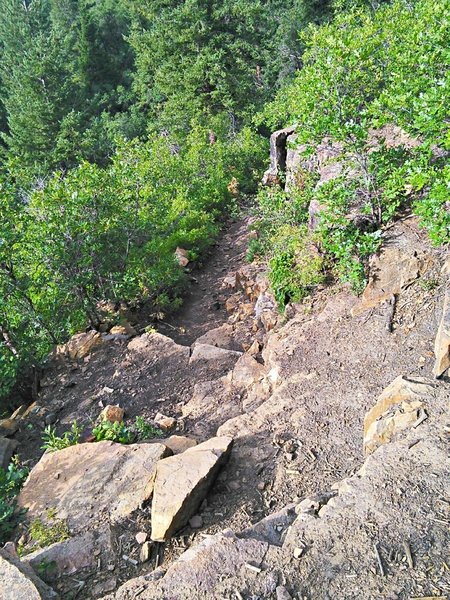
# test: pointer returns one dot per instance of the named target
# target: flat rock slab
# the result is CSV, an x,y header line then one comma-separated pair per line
x,y
212,359
89,483
18,581
182,482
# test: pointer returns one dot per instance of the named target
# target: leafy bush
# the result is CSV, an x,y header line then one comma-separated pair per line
x,y
138,431
365,71
109,233
53,442
11,481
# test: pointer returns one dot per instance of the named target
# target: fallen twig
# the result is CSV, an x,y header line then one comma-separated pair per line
x,y
378,557
409,557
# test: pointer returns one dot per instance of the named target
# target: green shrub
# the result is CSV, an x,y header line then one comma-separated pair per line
x,y
11,481
363,71
53,442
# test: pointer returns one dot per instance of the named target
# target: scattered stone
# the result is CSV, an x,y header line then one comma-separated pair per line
x,y
196,522
50,418
164,422
182,482
199,570
282,593
113,414
298,552
182,257
395,410
141,537
221,337
96,480
7,449
179,443
20,582
442,343
17,414
103,587
144,554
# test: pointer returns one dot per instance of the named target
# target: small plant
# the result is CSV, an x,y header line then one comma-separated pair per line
x,y
11,481
53,442
119,432
44,534
428,284
145,431
45,568
113,432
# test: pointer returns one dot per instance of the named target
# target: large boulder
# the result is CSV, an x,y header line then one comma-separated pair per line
x,y
182,482
278,155
87,483
393,269
19,581
213,360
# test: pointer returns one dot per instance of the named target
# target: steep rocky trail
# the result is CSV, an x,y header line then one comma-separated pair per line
x,y
293,392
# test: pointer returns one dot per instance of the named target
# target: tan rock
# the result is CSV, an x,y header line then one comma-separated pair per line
x,y
80,345
395,410
17,414
113,414
217,360
221,337
442,342
182,482
254,348
8,427
7,449
179,443
95,481
181,256
19,581
390,271
232,303
123,330
164,422
247,371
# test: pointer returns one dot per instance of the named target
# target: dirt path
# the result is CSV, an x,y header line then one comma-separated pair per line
x,y
204,305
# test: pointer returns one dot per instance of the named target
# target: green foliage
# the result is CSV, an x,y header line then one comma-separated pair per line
x,y
11,481
368,70
138,431
53,442
44,534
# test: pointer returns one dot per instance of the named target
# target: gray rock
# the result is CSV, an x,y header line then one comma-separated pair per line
x,y
20,582
7,449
